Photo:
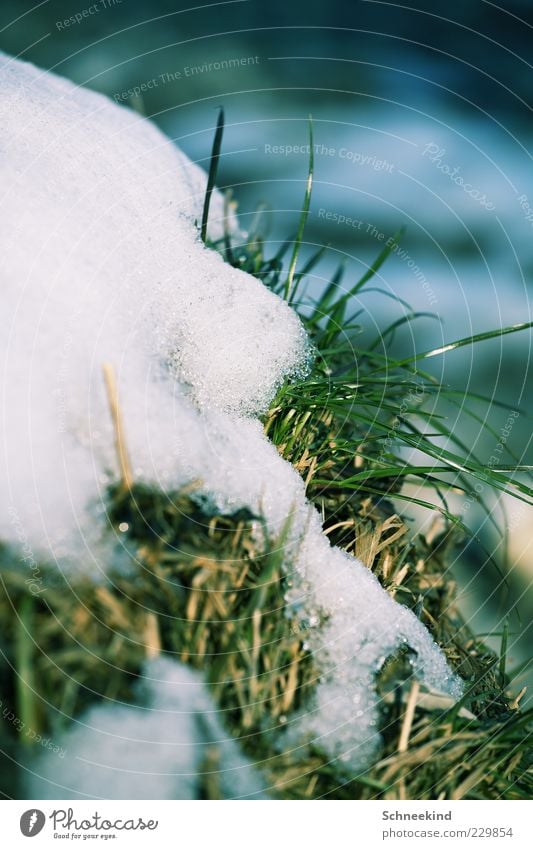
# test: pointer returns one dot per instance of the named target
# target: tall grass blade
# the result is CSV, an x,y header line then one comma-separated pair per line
x,y
303,216
468,340
213,168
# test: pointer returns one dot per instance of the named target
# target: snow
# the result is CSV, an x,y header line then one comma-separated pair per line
x,y
101,262
162,748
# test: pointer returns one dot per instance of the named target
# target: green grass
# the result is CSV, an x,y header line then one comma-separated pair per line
x,y
218,604
356,403
216,601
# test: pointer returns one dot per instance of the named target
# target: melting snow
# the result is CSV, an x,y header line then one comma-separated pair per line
x,y
161,749
101,262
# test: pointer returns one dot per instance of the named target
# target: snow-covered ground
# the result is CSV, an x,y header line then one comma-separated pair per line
x,y
102,263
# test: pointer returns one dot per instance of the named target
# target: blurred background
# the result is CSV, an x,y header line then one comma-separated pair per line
x,y
421,120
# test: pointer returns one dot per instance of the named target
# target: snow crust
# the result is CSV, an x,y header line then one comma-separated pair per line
x,y
101,262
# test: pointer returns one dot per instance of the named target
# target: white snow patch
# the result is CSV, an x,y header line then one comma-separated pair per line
x,y
163,748
101,261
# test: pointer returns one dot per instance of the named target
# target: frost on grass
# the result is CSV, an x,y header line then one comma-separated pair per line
x,y
102,263
166,747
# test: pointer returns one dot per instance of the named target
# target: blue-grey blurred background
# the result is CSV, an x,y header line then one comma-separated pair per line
x,y
422,118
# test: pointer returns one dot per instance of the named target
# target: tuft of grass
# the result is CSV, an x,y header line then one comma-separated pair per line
x,y
218,602
362,392
347,426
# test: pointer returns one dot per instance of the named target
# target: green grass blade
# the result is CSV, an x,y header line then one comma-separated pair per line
x,y
25,663
405,319
378,262
303,216
503,654
213,168
308,267
468,340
